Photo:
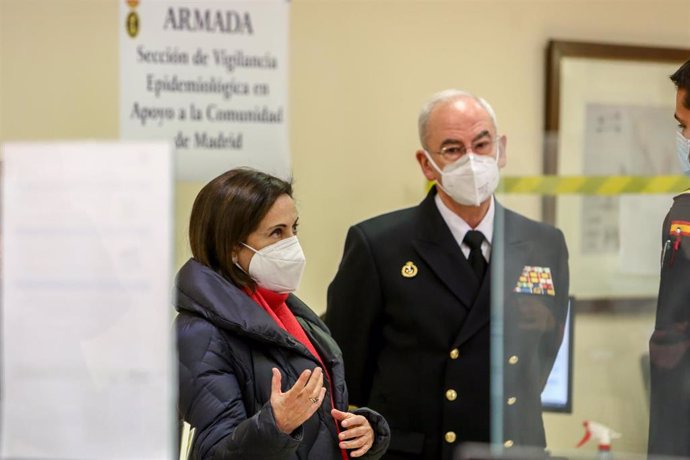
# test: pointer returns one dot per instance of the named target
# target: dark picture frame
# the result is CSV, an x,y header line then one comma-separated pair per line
x,y
609,112
556,52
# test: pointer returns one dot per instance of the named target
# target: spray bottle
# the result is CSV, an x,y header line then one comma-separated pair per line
x,y
603,435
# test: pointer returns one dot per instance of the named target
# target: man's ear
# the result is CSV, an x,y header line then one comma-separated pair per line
x,y
502,144
427,168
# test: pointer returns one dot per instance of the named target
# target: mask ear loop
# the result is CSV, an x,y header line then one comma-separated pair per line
x,y
433,163
499,149
250,248
236,259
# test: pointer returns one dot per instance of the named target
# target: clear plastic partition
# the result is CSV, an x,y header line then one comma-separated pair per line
x,y
571,323
570,361
575,284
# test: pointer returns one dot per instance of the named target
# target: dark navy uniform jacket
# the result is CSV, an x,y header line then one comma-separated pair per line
x,y
413,325
669,427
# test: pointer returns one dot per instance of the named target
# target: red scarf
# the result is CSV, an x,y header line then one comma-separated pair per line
x,y
274,304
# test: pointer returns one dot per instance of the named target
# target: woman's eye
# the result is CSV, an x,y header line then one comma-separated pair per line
x,y
277,232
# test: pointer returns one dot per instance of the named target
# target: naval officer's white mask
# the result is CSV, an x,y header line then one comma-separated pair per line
x,y
471,179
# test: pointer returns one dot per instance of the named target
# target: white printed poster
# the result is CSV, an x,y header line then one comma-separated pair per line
x,y
87,345
209,76
627,140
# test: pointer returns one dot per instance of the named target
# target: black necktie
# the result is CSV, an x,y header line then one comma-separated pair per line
x,y
474,239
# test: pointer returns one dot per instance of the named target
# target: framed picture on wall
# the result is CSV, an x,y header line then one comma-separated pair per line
x,y
609,112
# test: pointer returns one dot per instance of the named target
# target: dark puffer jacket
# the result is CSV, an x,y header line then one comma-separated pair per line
x,y
227,346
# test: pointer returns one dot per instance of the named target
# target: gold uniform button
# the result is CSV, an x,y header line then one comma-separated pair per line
x,y
454,353
450,437
512,400
508,443
513,359
451,395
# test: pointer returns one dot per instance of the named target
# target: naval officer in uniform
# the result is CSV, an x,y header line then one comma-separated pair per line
x,y
669,425
410,303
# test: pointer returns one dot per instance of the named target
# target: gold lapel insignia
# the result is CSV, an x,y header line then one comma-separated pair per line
x,y
409,270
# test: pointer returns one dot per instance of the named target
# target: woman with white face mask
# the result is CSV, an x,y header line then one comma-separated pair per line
x,y
260,376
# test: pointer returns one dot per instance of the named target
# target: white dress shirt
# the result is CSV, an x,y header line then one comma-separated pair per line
x,y
458,227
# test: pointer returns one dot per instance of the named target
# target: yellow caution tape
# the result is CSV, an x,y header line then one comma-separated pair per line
x,y
593,185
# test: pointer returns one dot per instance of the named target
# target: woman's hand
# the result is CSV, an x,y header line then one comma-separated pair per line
x,y
356,432
294,407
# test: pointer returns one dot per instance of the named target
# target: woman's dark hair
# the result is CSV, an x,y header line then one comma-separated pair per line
x,y
681,78
225,212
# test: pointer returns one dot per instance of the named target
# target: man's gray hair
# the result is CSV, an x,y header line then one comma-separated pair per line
x,y
446,96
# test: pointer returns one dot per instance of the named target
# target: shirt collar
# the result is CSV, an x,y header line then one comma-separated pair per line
x,y
457,225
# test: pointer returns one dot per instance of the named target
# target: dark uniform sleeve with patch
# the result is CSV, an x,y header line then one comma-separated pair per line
x,y
668,346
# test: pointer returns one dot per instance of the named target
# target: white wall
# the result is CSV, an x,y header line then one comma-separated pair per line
x,y
359,71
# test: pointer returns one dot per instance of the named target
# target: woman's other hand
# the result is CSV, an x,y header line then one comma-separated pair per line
x,y
356,432
294,407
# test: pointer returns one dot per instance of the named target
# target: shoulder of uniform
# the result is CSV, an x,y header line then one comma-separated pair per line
x,y
515,219
389,222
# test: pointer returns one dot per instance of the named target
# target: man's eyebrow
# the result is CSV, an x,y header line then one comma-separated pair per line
x,y
480,135
476,138
451,141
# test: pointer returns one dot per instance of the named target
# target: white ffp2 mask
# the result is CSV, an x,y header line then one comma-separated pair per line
x,y
683,152
279,266
471,179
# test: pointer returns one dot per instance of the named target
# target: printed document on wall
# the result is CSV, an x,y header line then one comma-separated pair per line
x,y
209,76
87,350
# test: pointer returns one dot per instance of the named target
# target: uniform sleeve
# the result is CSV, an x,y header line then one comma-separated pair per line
x,y
669,345
673,313
561,280
353,314
562,287
210,400
548,313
